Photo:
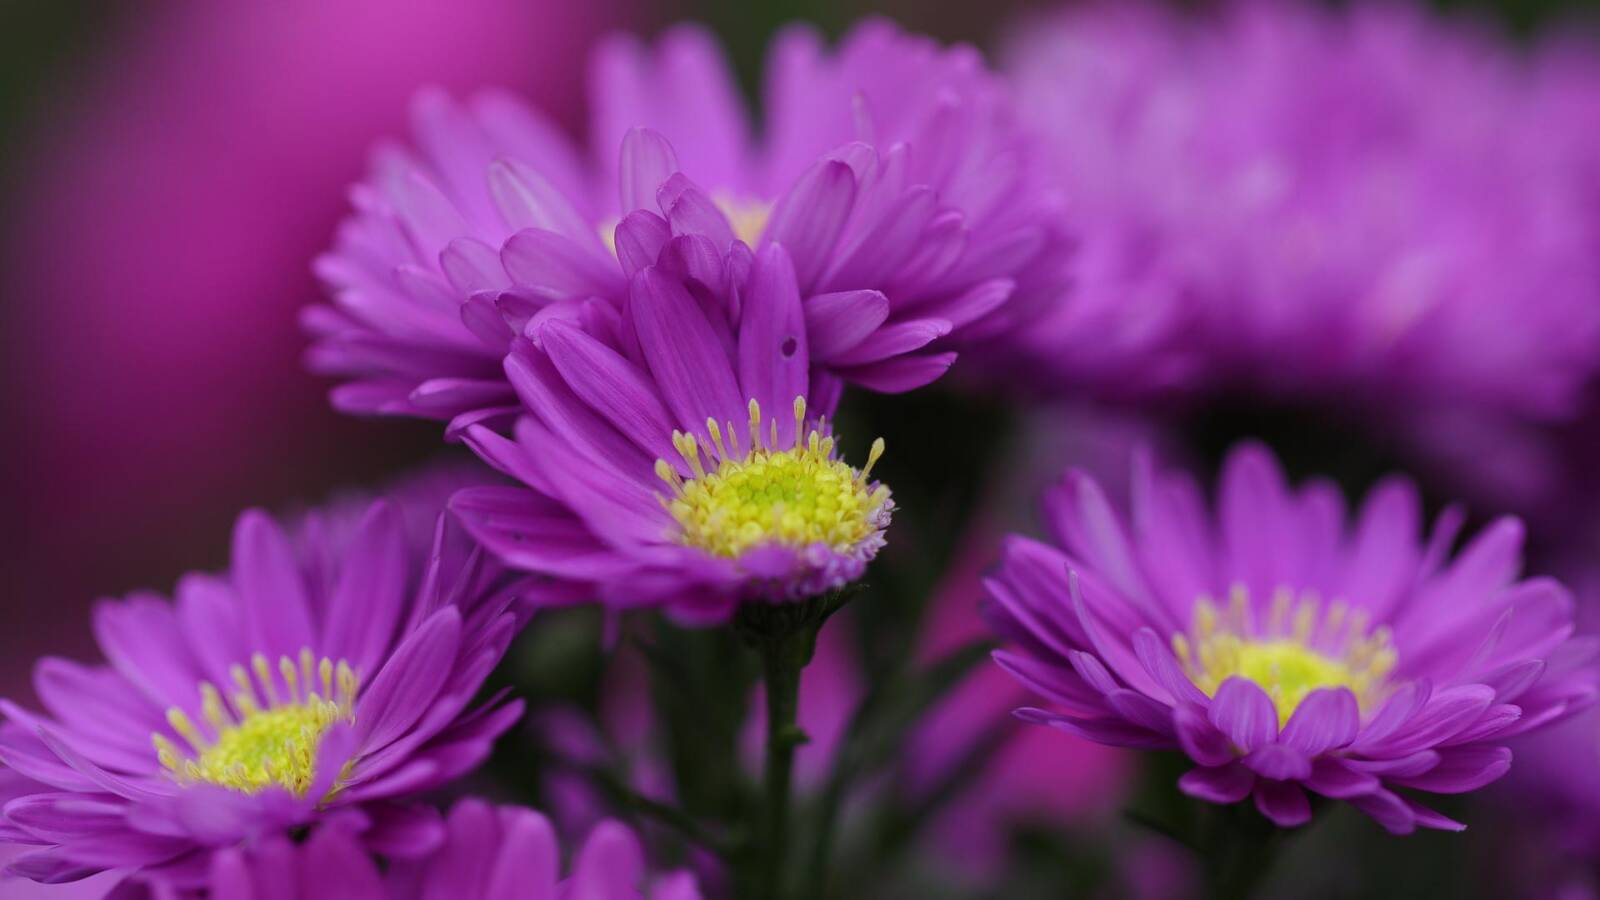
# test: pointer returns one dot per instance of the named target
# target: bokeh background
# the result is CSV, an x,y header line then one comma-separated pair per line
x,y
167,172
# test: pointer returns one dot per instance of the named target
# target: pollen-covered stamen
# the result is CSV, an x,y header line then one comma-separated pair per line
x,y
1300,648
742,497
262,736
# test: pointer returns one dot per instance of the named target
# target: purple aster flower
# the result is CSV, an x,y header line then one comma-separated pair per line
x,y
260,701
1284,649
893,171
682,460
1370,205
488,853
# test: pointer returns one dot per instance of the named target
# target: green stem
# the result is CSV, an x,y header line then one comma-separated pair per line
x,y
785,636
782,661
671,816
1239,853
1235,846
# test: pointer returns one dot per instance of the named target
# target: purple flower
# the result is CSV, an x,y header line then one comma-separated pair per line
x,y
1372,205
683,459
1284,649
892,165
488,853
260,701
893,172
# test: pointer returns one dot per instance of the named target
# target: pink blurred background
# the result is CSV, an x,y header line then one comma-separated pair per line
x,y
166,202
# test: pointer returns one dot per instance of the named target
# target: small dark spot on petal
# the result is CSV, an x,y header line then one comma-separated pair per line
x,y
788,348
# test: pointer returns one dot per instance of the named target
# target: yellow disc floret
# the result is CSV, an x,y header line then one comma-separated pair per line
x,y
797,497
1298,651
747,216
264,738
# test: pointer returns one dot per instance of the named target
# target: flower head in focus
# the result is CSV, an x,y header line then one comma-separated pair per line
x,y
1369,205
681,456
488,853
893,171
1284,649
293,688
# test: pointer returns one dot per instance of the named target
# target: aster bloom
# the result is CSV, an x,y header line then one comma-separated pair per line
x,y
261,701
488,853
893,170
1340,204
1284,649
686,463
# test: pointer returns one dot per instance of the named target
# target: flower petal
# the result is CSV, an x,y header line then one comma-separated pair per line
x,y
1242,710
409,681
1220,784
809,218
1328,718
838,322
1283,802
683,353
774,359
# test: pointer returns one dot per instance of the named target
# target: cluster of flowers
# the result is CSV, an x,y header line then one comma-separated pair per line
x,y
645,342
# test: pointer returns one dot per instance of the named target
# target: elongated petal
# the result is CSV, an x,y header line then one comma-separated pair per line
x,y
408,682
1325,720
774,356
839,322
683,353
1220,784
1244,712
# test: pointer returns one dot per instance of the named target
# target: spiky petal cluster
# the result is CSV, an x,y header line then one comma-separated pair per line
x,y
796,495
639,490
302,684
486,853
893,171
1345,204
1353,660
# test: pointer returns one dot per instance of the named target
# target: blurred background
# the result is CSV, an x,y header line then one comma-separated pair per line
x,y
168,171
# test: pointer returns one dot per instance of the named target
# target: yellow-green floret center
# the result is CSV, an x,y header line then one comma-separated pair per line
x,y
268,732
797,496
1297,651
747,216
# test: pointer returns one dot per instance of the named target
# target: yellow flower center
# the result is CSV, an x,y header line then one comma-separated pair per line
x,y
1299,650
746,215
796,497
262,739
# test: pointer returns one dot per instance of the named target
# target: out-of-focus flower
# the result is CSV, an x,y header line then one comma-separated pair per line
x,y
893,172
323,534
488,853
180,175
1029,776
1364,206
1284,649
262,701
685,461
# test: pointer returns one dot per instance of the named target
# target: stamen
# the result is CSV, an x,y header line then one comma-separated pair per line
x,y
755,425
873,455
716,438
257,746
185,728
291,678
798,496
1316,652
264,676
247,691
